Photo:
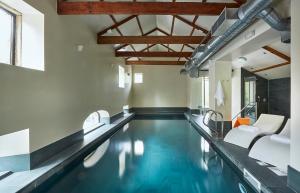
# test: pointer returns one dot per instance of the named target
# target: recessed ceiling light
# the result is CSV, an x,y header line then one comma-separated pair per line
x,y
242,60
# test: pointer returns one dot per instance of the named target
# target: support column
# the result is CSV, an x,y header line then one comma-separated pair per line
x,y
294,169
220,71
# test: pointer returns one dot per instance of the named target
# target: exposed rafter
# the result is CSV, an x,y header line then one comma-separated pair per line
x,y
240,2
150,39
271,67
194,21
142,62
277,53
117,24
153,54
192,24
141,8
123,46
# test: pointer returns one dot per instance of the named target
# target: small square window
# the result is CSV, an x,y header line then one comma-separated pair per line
x,y
7,36
138,78
121,77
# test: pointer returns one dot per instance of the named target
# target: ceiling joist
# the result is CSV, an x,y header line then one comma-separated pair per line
x,y
150,39
141,8
153,54
143,62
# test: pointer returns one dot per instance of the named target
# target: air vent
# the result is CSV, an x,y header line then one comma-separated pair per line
x,y
252,180
225,20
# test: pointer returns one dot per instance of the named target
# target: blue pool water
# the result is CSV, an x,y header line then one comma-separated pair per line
x,y
150,156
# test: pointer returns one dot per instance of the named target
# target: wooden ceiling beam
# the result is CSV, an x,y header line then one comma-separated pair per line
x,y
271,67
153,54
240,2
143,62
192,24
150,39
277,53
117,24
141,8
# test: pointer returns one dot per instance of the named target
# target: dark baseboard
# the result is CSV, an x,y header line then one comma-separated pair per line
x,y
32,160
116,117
158,110
39,156
293,179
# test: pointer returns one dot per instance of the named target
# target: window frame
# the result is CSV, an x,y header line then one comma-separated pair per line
x,y
204,93
13,43
135,79
123,76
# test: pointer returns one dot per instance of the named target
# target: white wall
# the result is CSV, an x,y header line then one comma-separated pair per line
x,y
236,92
163,86
194,92
295,87
220,71
54,103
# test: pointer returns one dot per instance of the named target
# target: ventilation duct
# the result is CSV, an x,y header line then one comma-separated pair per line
x,y
247,13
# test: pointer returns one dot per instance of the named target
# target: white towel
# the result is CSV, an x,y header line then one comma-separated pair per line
x,y
280,139
219,95
248,128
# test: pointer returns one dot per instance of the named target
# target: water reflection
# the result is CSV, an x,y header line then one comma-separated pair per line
x,y
122,163
138,148
125,127
93,158
153,156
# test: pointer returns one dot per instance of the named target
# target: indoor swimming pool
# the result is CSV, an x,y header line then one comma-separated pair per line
x,y
157,156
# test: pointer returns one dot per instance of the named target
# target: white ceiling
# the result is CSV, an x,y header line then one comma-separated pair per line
x,y
255,60
262,58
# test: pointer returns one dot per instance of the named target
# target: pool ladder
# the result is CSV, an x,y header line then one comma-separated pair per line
x,y
217,114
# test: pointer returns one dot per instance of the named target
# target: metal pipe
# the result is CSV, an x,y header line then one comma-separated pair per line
x,y
247,13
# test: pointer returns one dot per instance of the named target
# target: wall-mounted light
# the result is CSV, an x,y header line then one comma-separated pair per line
x,y
80,47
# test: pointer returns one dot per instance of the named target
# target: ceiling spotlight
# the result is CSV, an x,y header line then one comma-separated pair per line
x,y
242,60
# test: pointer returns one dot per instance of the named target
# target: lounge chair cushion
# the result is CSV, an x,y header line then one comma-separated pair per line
x,y
266,124
269,123
272,152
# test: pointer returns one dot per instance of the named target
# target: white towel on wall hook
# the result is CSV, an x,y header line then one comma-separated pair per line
x,y
219,95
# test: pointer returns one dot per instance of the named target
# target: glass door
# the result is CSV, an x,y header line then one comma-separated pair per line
x,y
250,98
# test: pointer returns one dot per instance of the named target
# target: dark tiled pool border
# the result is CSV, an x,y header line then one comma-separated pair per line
x,y
15,181
238,158
160,113
294,179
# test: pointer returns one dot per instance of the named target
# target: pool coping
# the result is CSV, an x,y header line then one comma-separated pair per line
x,y
27,181
238,158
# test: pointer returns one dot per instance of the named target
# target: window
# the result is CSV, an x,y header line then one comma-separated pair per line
x,y
138,78
7,36
205,92
21,35
121,77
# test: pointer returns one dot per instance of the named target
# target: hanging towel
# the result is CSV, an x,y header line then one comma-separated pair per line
x,y
219,95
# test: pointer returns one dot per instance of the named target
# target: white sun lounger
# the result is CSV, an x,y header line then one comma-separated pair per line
x,y
265,125
274,149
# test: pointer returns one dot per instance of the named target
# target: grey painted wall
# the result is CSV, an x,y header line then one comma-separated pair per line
x,y
280,96
53,104
276,91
